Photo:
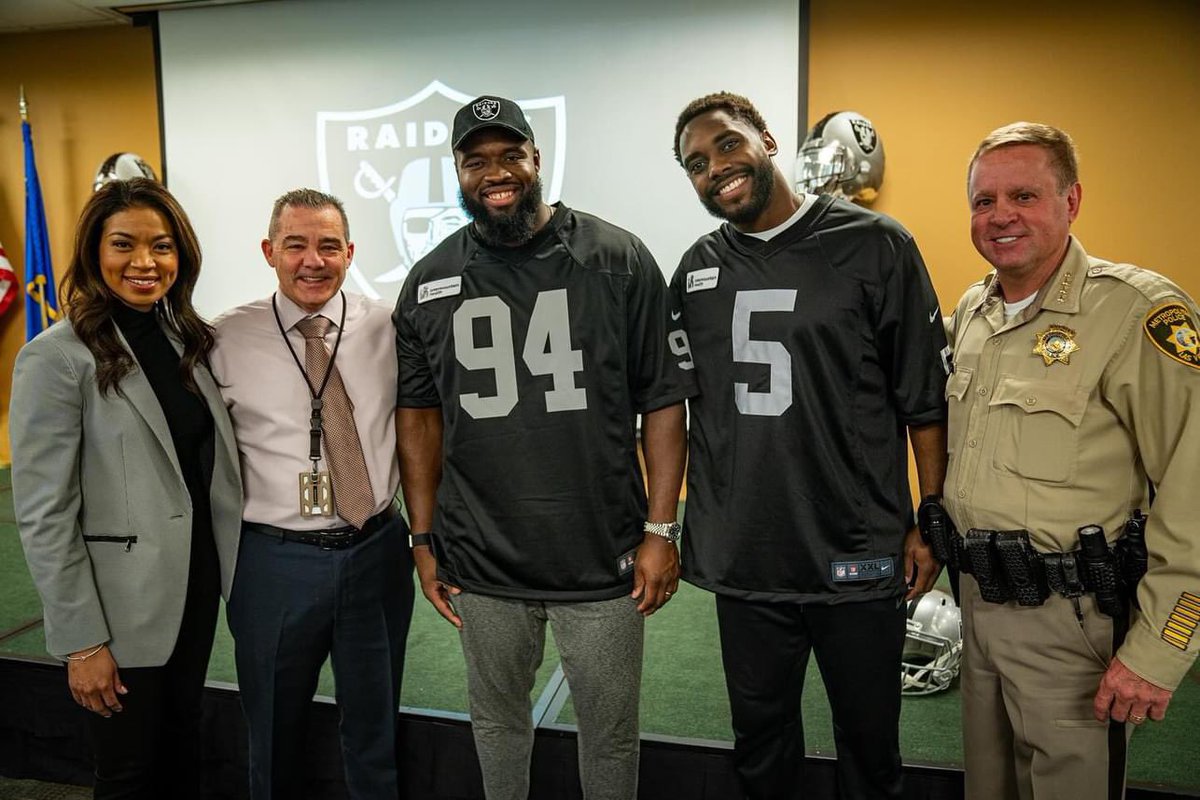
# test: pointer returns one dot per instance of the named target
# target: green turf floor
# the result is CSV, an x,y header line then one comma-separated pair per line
x,y
683,693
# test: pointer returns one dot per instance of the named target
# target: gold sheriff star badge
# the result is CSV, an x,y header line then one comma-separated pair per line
x,y
1056,343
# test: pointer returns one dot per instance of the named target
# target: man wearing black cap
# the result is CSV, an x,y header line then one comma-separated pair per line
x,y
528,343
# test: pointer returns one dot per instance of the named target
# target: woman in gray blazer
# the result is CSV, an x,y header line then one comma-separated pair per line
x,y
126,487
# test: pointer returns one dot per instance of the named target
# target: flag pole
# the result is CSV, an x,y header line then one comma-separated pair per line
x,y
41,304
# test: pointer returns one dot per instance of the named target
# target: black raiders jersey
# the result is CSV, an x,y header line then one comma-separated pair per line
x,y
540,358
812,352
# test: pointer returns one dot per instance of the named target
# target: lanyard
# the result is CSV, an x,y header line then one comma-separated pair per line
x,y
314,430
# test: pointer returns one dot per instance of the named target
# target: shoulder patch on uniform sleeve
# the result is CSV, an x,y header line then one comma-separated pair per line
x,y
1171,329
1182,622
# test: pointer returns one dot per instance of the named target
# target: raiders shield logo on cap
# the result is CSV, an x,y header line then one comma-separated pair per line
x,y
486,109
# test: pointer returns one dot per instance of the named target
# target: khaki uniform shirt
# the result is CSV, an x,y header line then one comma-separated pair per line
x,y
1060,417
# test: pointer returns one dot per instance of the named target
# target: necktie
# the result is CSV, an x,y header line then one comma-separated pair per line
x,y
352,496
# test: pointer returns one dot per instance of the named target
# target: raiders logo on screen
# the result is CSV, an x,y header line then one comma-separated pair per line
x,y
393,169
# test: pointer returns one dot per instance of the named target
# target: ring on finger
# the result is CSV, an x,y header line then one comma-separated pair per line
x,y
1136,719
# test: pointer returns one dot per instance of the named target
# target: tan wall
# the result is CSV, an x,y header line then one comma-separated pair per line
x,y
935,76
91,93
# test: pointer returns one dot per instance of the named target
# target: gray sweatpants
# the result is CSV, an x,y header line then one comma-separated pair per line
x,y
601,648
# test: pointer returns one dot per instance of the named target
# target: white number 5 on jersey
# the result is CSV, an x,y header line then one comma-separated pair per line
x,y
752,351
547,351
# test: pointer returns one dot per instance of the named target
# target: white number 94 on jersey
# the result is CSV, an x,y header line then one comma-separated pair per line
x,y
547,351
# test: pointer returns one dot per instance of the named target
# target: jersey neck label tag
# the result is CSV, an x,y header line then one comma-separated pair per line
x,y
700,280
626,561
436,290
872,570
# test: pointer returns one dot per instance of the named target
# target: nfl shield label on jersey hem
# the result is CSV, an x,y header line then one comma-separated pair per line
x,y
871,570
1172,330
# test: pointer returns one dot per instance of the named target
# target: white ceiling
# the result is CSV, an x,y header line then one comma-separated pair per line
x,y
23,16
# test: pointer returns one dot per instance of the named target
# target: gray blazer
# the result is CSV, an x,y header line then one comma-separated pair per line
x,y
104,514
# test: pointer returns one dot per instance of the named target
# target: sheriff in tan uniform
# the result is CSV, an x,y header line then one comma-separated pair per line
x,y
1073,392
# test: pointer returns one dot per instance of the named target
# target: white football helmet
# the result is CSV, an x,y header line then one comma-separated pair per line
x,y
122,167
932,645
843,156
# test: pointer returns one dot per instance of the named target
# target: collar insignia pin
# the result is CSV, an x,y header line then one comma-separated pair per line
x,y
1064,288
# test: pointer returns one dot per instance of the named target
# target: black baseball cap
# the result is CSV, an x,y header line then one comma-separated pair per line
x,y
489,112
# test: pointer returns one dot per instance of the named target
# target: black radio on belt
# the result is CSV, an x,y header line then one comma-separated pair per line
x,y
938,531
1131,553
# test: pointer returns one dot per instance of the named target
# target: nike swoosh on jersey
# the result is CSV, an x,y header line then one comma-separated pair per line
x,y
675,315
933,315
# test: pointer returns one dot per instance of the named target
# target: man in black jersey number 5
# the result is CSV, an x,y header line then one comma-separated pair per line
x,y
528,343
815,338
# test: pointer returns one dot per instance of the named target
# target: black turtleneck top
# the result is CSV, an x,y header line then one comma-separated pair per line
x,y
187,414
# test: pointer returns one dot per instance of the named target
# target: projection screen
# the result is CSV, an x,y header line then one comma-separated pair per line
x,y
356,97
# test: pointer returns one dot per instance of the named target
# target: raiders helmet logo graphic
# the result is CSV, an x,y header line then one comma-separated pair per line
x,y
864,132
486,109
393,169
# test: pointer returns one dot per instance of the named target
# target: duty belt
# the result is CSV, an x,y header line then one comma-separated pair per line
x,y
1007,568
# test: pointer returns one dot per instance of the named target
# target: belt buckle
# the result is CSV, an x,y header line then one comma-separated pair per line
x,y
335,541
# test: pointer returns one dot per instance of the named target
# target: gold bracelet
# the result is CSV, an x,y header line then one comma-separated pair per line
x,y
85,656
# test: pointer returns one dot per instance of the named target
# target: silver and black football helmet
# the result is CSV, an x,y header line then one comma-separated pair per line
x,y
842,155
122,167
932,645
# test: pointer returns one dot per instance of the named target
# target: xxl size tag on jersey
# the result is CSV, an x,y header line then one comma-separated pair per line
x,y
872,570
626,561
436,290
700,280
316,494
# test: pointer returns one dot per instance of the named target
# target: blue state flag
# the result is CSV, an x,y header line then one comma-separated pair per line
x,y
41,302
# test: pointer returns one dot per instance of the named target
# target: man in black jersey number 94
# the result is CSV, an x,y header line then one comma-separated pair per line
x,y
528,343
815,338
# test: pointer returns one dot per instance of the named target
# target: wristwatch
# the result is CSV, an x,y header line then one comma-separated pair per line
x,y
420,540
668,530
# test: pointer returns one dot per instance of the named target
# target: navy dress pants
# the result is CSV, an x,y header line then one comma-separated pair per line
x,y
294,604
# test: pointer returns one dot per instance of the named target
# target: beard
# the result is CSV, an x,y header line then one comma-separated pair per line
x,y
510,228
762,180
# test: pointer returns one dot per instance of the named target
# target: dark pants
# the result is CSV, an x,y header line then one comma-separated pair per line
x,y
151,749
295,604
765,649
